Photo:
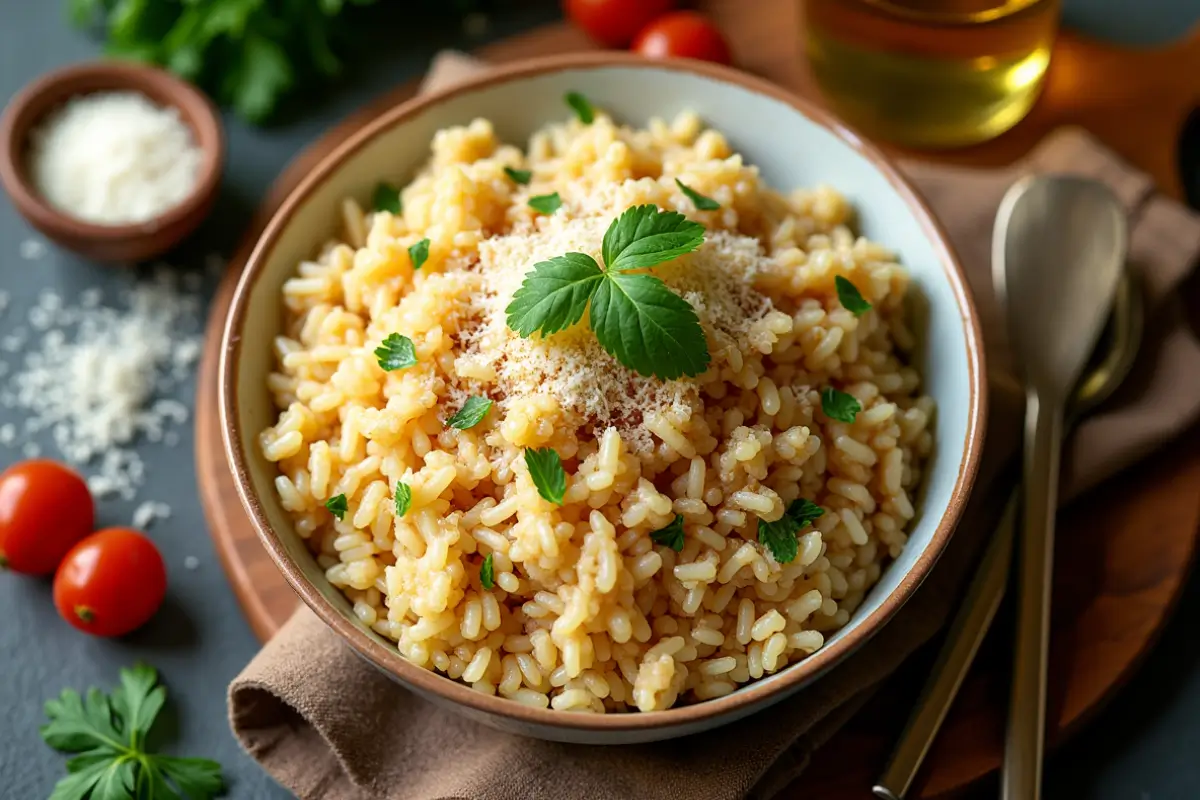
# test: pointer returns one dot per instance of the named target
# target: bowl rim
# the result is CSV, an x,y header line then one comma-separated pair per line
x,y
389,659
155,84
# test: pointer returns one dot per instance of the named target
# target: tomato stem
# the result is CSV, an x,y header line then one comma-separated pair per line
x,y
3,560
84,613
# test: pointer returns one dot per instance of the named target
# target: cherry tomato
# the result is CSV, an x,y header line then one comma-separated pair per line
x,y
683,34
614,22
45,508
110,583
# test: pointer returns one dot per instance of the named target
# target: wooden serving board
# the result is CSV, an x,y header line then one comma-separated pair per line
x,y
1113,591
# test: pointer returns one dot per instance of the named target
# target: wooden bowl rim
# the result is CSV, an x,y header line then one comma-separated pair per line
x,y
388,659
32,103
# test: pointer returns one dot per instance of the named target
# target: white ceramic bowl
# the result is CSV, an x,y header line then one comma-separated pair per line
x,y
795,145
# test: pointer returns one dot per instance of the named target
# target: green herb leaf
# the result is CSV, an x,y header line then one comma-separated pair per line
x,y
261,71
195,777
546,203
521,176
419,253
555,295
647,327
138,700
471,414
110,733
403,498
780,536
839,405
582,107
670,536
850,298
546,470
386,198
644,237
487,578
396,352
337,505
698,200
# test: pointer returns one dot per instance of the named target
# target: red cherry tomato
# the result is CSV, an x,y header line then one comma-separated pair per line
x,y
45,508
110,583
683,34
614,22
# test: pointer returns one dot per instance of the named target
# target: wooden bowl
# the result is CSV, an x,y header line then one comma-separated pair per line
x,y
126,242
794,144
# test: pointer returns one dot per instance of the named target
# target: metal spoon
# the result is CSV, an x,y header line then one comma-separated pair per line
x,y
1056,269
1111,362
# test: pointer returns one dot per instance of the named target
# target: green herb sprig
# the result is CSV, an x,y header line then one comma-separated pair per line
x,y
546,203
701,202
635,317
395,352
107,735
471,414
670,536
386,198
248,54
581,106
521,176
546,470
419,253
487,573
839,405
403,498
780,536
850,298
337,505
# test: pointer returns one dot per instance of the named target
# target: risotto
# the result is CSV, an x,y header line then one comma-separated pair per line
x,y
706,530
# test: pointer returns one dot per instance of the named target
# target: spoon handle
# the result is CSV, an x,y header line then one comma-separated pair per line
x,y
1021,778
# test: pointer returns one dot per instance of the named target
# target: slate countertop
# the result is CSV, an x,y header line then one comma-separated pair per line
x,y
1142,747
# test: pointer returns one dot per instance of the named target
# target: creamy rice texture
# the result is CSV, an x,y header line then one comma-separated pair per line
x,y
587,613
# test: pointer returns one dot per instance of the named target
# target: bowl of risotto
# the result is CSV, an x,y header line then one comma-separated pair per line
x,y
603,400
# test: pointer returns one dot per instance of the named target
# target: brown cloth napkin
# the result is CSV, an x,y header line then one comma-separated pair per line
x,y
325,724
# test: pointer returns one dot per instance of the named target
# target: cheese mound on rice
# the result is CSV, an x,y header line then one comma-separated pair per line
x,y
587,613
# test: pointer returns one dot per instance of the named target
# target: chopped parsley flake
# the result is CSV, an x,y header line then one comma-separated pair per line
x,y
671,536
337,505
396,352
546,470
471,414
839,405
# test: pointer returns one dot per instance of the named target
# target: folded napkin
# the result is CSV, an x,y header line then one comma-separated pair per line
x,y
325,724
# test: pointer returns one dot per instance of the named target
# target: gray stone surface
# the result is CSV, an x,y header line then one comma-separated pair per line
x,y
1141,748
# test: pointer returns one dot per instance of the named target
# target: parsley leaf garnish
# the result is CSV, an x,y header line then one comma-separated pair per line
x,y
396,352
839,405
487,576
521,176
403,498
647,327
471,414
337,505
419,253
546,203
582,107
698,200
546,470
644,237
780,536
108,732
635,317
850,298
671,535
386,198
555,295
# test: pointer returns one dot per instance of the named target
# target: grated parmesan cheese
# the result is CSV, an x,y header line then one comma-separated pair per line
x,y
100,378
572,367
113,158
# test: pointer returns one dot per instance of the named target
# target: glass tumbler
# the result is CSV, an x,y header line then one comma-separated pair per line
x,y
931,73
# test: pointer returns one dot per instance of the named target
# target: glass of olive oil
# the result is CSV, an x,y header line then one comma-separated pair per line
x,y
931,73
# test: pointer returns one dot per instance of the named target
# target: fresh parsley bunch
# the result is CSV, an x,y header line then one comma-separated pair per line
x,y
635,317
107,735
246,53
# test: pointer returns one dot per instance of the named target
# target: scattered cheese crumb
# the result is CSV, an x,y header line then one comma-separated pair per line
x,y
100,378
145,514
32,249
191,562
114,158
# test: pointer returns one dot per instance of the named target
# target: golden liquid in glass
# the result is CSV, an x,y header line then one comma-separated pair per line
x,y
931,73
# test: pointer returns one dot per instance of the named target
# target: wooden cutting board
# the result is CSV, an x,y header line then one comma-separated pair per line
x,y
1115,585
